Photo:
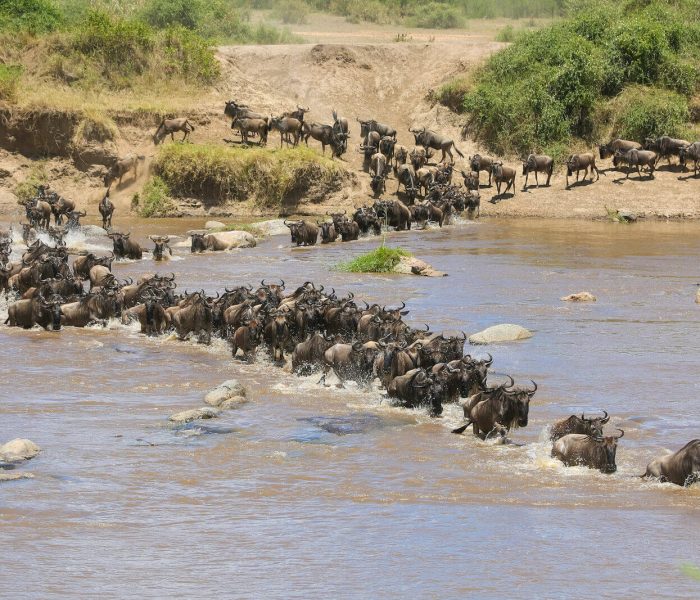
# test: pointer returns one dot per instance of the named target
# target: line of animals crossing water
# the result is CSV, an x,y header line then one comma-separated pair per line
x,y
313,329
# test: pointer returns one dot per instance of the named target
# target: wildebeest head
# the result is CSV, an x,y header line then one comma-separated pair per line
x,y
419,135
118,240
519,401
161,246
294,229
53,307
377,184
198,244
609,445
594,426
327,231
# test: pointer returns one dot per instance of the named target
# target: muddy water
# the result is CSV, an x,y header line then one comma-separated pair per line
x,y
315,492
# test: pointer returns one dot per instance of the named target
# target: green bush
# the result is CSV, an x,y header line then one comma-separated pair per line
x,y
555,86
292,11
154,200
9,82
29,187
381,260
33,16
162,14
648,112
188,55
506,35
434,15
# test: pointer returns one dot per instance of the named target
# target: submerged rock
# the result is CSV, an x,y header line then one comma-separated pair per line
x,y
272,227
14,475
414,266
500,333
18,449
228,390
194,414
579,297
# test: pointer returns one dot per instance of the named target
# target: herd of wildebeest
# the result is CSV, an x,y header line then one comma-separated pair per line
x,y
314,328
428,191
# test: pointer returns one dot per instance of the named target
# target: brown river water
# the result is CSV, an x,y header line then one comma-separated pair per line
x,y
312,492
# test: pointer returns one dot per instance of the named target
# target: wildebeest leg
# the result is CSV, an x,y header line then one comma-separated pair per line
x,y
537,181
549,175
172,136
597,173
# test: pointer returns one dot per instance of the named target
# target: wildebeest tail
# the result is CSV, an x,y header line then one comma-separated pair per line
x,y
457,150
189,125
463,427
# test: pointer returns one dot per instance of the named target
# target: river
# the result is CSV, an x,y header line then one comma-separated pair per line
x,y
324,493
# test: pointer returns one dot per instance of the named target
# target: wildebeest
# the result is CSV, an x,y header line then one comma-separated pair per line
x,y
370,146
308,355
386,147
161,246
92,308
170,127
505,175
479,163
637,158
150,314
35,311
106,209
471,179
576,449
371,125
194,317
219,241
350,361
38,213
124,247
276,334
377,169
341,129
665,147
580,162
395,213
425,176
121,167
289,128
327,136
366,219
328,232
609,149
302,232
246,338
349,231
690,152
496,410
575,424
473,204
681,468
406,176
429,139
400,155
418,388
538,163
248,125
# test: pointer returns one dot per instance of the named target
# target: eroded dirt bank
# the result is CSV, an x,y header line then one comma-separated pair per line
x,y
387,81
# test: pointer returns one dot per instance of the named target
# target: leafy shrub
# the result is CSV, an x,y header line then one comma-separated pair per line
x,y
188,55
381,260
154,200
29,187
647,112
33,16
434,15
506,35
271,177
292,11
162,14
9,81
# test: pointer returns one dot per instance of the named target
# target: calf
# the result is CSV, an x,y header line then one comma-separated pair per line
x,y
577,449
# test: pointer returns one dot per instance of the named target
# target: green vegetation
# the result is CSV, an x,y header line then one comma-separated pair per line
x,y
29,187
381,260
506,35
272,178
9,82
691,571
154,200
292,11
435,14
624,69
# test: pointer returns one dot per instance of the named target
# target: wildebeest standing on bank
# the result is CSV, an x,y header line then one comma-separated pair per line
x,y
479,163
681,468
594,452
665,147
538,163
171,126
609,149
429,139
580,162
121,167
690,152
505,175
637,158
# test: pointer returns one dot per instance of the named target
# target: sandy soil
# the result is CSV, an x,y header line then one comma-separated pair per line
x,y
382,79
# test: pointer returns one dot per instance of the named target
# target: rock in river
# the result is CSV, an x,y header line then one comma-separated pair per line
x,y
500,333
13,475
214,225
18,449
206,412
226,391
579,297
414,266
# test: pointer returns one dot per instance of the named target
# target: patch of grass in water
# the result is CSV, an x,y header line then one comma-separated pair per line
x,y
380,260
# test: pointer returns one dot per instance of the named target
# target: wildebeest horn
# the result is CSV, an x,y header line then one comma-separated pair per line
x,y
534,389
512,383
606,418
464,336
357,346
490,360
262,283
427,327
622,434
